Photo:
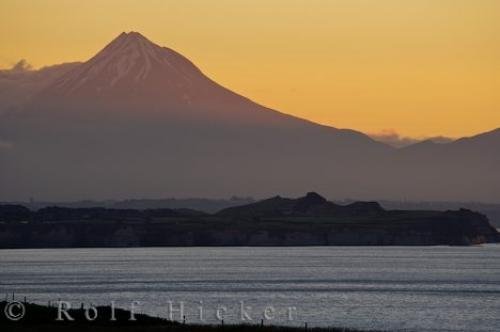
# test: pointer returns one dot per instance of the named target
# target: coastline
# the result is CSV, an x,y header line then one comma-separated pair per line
x,y
310,220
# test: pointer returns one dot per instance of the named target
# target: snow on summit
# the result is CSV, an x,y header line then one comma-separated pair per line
x,y
130,64
133,74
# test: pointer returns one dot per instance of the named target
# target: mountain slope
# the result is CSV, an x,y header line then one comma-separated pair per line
x,y
140,120
131,67
20,83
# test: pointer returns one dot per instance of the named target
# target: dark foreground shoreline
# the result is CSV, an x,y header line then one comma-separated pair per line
x,y
41,318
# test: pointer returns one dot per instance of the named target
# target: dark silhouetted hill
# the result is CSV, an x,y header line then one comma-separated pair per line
x,y
311,205
309,220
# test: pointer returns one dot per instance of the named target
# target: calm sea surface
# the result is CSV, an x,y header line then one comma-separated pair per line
x,y
391,288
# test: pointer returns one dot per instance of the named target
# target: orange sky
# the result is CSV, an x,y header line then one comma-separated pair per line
x,y
422,68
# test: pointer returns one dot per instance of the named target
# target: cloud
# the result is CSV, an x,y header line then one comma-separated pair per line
x,y
21,66
20,82
391,137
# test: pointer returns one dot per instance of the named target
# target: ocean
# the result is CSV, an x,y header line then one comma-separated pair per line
x,y
386,288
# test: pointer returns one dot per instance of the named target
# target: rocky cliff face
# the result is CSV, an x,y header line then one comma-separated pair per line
x,y
310,220
128,235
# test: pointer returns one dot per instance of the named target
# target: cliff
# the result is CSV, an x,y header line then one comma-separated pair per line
x,y
309,220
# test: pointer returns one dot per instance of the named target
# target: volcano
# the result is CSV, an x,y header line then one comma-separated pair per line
x,y
132,69
141,120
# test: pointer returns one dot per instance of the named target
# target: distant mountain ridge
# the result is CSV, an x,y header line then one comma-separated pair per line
x,y
142,120
202,204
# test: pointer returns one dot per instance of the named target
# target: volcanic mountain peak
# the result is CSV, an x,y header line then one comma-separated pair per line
x,y
140,119
126,62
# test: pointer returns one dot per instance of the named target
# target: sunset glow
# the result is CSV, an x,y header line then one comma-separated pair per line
x,y
420,68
